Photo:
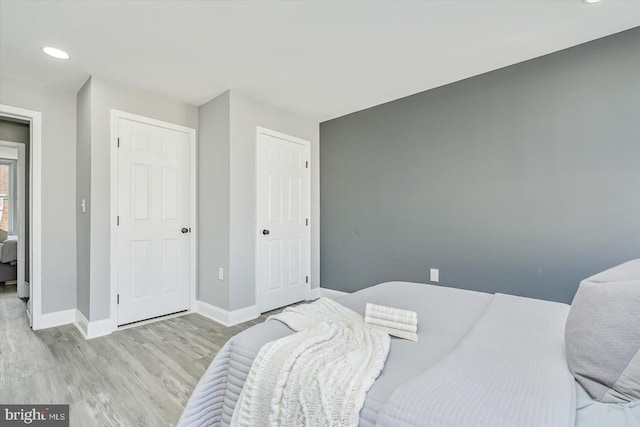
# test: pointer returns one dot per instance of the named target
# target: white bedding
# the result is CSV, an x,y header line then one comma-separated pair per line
x,y
481,359
445,316
510,370
319,376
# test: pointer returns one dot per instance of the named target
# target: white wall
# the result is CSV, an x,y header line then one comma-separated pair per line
x,y
227,193
213,200
227,187
107,95
58,108
83,191
246,115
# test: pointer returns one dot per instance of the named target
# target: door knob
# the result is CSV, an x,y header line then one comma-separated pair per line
x,y
265,232
185,230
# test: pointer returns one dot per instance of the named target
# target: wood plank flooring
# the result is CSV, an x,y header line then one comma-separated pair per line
x,y
142,376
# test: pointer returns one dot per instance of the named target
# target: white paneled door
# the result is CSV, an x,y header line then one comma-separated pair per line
x,y
153,232
283,219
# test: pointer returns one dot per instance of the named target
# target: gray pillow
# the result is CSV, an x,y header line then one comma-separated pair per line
x,y
602,334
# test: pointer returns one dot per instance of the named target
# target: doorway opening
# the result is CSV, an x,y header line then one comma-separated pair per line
x,y
15,137
153,240
283,246
20,207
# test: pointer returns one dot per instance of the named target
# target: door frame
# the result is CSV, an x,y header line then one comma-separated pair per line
x,y
35,208
193,244
20,189
259,209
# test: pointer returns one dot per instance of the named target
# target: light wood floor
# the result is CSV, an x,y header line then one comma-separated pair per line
x,y
142,376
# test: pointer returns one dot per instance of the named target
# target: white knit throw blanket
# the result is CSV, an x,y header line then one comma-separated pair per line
x,y
316,377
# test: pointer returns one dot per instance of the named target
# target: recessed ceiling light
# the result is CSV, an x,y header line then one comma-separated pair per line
x,y
56,53
592,1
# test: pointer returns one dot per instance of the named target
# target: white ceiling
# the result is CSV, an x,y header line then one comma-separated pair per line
x,y
319,59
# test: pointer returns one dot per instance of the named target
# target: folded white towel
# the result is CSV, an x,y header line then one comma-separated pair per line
x,y
411,336
390,323
394,321
393,314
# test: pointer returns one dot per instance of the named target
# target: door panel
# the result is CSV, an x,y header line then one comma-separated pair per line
x,y
170,271
283,210
140,192
170,194
153,207
140,269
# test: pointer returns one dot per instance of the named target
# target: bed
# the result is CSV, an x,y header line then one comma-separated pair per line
x,y
8,260
480,360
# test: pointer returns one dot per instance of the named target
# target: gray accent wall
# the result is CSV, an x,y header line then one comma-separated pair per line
x,y
58,108
524,180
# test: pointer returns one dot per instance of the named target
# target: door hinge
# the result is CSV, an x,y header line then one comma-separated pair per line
x,y
118,142
306,221
118,220
118,299
306,164
306,279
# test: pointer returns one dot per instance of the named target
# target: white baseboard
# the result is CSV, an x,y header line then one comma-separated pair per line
x,y
99,328
330,293
103,327
81,323
243,315
324,292
93,329
57,318
224,317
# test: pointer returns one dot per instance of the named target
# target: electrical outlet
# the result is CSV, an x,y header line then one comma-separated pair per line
x,y
220,273
434,275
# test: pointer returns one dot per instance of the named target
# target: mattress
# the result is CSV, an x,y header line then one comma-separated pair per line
x,y
445,316
509,370
453,327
